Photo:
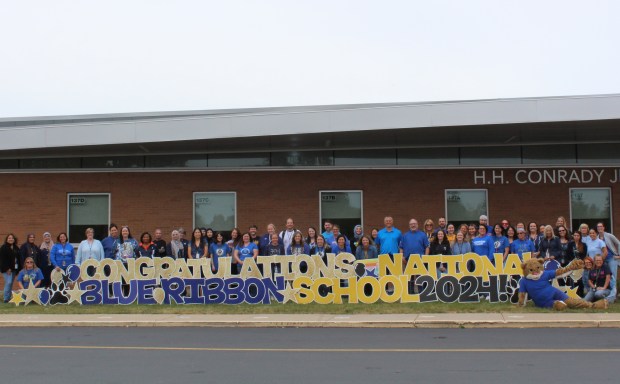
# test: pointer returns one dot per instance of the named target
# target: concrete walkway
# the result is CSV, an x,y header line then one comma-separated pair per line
x,y
426,320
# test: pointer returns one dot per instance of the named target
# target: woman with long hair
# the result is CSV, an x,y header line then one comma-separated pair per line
x,y
197,246
9,263
30,274
63,254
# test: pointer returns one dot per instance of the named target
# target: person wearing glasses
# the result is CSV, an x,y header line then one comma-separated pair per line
x,y
599,278
522,244
29,275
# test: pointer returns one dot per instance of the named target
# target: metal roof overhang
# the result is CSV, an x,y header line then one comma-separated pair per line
x,y
556,120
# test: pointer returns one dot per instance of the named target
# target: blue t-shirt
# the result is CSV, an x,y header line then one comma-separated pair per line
x,y
218,250
500,244
522,246
246,251
388,241
329,237
483,246
26,276
414,243
541,291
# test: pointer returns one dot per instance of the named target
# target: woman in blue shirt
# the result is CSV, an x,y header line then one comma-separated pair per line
x,y
500,242
62,254
246,249
30,274
219,248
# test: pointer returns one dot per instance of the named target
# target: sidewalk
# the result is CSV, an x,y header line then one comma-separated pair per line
x,y
427,320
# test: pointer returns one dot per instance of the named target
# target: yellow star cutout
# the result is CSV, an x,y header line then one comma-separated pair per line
x,y
571,292
289,293
17,298
32,294
75,294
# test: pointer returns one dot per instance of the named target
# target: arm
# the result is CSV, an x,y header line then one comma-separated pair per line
x,y
39,278
78,258
189,251
604,250
236,256
255,253
606,285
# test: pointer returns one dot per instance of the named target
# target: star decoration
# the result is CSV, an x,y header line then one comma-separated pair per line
x,y
17,298
571,292
32,294
371,272
75,294
289,293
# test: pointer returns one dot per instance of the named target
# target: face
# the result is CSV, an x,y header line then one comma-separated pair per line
x,y
521,235
600,228
274,239
311,232
450,228
234,234
428,226
145,239
472,230
463,229
297,237
598,261
31,239
157,234
10,239
47,237
29,264
203,232
548,232
358,230
559,221
271,229
588,264
197,234
440,236
253,231
246,238
441,222
483,221
374,233
175,235
413,225
289,224
210,232
341,242
328,226
593,234
459,236
498,230
336,231
533,227
577,236
511,232
482,230
388,222
505,224
219,238
125,232
520,225
63,238
114,232
584,230
320,241
562,231
89,234
365,242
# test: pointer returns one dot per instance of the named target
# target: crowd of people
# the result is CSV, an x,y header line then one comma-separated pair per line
x,y
558,245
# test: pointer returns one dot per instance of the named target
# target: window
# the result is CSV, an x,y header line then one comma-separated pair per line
x,y
590,205
86,210
465,205
50,163
428,156
176,161
365,157
301,158
343,208
237,160
215,210
114,162
490,155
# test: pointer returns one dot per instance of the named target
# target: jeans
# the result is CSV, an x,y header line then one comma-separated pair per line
x,y
8,285
613,265
593,295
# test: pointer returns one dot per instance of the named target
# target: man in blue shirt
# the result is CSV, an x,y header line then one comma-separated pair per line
x,y
389,238
414,241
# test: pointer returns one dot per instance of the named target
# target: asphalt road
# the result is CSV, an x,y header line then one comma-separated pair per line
x,y
308,355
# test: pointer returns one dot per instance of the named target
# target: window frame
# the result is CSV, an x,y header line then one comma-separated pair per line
x,y
570,204
69,194
445,201
213,193
361,192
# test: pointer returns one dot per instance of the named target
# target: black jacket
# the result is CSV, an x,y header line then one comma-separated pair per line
x,y
8,258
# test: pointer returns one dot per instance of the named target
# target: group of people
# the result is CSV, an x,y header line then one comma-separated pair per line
x,y
32,263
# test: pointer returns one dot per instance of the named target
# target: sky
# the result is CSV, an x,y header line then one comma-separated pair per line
x,y
90,57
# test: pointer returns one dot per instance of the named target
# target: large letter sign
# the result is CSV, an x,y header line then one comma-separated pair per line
x,y
303,279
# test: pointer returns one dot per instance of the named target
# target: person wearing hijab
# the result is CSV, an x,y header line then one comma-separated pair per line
x,y
358,233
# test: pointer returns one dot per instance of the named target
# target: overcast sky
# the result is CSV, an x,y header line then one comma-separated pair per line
x,y
82,57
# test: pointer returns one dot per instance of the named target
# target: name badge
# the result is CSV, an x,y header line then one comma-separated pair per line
x,y
64,263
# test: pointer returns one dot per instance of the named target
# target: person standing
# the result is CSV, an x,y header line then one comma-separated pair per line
x,y
287,234
63,254
613,249
413,242
30,249
389,238
159,243
10,263
110,243
90,248
483,244
46,266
